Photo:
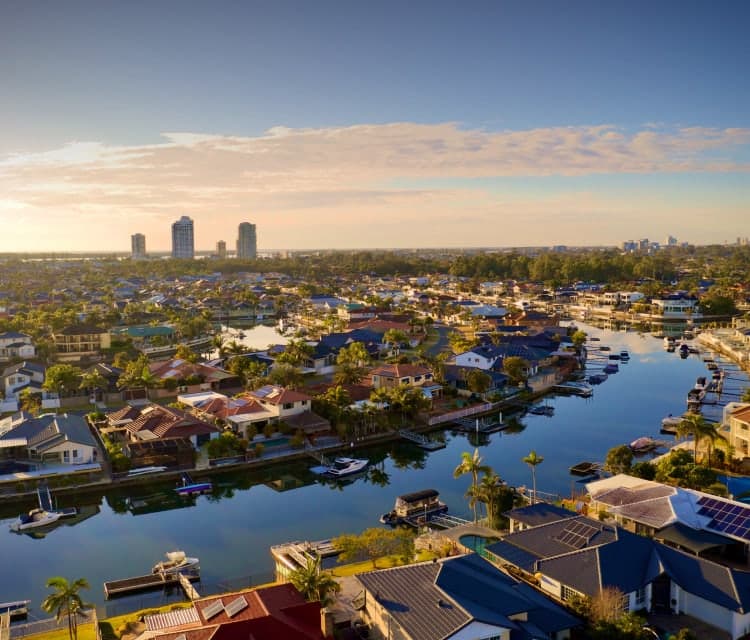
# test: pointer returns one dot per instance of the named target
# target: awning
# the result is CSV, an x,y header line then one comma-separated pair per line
x,y
692,539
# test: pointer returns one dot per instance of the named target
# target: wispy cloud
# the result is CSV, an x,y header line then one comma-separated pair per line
x,y
324,173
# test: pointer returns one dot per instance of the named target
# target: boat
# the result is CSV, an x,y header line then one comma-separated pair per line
x,y
16,609
35,518
176,562
142,471
624,355
597,378
611,368
345,467
614,356
188,487
671,423
645,444
542,410
576,388
604,347
700,383
585,468
419,505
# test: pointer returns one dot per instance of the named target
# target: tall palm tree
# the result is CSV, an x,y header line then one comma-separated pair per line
x,y
696,425
314,584
533,460
471,464
490,489
708,433
66,601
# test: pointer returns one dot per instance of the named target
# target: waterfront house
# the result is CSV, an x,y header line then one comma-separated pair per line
x,y
737,421
15,345
277,611
389,376
579,556
154,422
51,438
458,598
677,307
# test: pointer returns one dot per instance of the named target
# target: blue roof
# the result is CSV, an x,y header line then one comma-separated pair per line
x,y
514,555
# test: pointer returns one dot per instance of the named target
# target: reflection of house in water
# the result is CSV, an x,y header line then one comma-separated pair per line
x,y
287,482
155,502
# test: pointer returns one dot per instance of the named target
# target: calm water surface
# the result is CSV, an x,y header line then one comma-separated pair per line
x,y
232,530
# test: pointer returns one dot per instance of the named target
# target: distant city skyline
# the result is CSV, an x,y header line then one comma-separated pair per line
x,y
350,125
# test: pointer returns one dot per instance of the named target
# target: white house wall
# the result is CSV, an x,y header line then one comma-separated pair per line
x,y
706,611
479,630
741,625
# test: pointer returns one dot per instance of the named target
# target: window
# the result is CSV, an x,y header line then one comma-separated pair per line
x,y
304,402
288,405
640,597
66,456
75,454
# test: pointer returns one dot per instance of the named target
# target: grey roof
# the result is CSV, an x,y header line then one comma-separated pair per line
x,y
627,495
539,513
547,540
433,601
410,595
25,366
49,430
694,540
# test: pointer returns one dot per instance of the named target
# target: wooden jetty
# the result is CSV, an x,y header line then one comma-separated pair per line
x,y
421,440
145,583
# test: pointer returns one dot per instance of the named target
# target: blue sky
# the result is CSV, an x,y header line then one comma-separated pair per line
x,y
118,76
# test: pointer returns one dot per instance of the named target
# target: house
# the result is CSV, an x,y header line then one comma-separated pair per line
x,y
196,374
154,422
80,341
578,556
737,422
677,306
457,377
388,376
277,611
15,345
461,598
24,375
51,438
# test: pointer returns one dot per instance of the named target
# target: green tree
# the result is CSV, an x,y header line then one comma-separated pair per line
x,y
286,375
30,402
185,353
60,377
296,353
619,459
93,381
375,543
66,601
578,338
516,369
478,381
313,583
533,460
471,464
395,338
643,469
745,395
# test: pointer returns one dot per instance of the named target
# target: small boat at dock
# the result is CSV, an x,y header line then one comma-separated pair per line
x,y
44,515
188,487
542,410
624,355
597,378
645,444
671,423
611,368
415,507
176,562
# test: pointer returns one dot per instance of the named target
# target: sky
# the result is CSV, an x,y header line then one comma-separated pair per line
x,y
357,124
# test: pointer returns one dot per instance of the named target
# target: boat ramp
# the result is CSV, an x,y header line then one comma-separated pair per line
x,y
422,440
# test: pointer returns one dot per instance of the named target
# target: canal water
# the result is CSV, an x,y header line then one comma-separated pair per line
x,y
232,529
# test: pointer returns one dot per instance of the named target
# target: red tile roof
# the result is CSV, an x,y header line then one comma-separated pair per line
x,y
400,370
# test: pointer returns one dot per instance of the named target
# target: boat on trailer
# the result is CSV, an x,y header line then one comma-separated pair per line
x,y
411,506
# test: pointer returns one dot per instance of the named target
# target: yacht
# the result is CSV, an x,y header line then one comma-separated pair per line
x,y
345,467
418,505
35,518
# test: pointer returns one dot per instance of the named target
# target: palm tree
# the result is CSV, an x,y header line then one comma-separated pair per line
x,y
490,489
696,425
533,460
66,601
471,464
708,433
314,584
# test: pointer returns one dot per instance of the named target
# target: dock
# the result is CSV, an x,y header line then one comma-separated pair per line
x,y
421,440
148,582
291,556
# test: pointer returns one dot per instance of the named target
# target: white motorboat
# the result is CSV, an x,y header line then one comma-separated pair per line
x,y
35,518
346,467
176,562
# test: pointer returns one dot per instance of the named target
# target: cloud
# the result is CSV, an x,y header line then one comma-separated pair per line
x,y
295,179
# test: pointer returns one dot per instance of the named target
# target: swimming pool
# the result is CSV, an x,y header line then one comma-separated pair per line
x,y
11,466
477,543
273,442
739,487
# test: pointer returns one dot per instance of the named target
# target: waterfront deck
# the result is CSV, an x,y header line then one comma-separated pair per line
x,y
125,586
421,440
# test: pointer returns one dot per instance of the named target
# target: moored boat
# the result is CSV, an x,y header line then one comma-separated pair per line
x,y
611,368
420,504
16,609
188,486
176,562
34,519
346,466
624,355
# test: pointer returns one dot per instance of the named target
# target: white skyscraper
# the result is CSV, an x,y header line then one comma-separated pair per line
x,y
247,242
182,238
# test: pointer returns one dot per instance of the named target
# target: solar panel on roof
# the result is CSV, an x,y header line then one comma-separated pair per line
x,y
234,607
213,609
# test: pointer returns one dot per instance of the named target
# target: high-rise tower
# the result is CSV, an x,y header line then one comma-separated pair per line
x,y
247,243
138,245
182,238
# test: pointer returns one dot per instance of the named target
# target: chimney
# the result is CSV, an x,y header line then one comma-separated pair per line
x,y
326,622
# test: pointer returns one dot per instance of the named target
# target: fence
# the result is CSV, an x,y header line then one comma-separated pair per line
x,y
452,416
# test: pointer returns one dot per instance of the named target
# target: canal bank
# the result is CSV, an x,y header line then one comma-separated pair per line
x,y
232,529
